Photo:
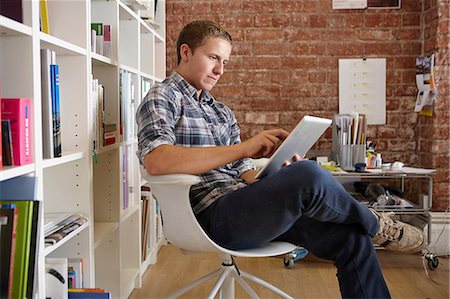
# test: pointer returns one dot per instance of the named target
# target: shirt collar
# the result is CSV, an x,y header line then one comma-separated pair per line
x,y
190,90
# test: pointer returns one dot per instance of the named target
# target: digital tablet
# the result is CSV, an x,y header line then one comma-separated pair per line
x,y
299,141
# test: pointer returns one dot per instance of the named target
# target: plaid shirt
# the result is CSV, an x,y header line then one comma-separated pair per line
x,y
171,113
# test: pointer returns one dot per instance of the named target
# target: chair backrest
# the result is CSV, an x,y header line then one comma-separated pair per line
x,y
180,226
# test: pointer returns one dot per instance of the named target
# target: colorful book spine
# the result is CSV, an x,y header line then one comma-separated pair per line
x,y
22,251
107,40
44,16
1,141
18,112
98,27
56,110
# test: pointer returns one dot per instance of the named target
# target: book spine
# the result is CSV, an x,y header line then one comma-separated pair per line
x,y
107,40
98,27
44,16
1,141
46,94
56,110
18,112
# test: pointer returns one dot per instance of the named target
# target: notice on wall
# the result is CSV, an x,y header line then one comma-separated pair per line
x,y
349,4
427,93
362,88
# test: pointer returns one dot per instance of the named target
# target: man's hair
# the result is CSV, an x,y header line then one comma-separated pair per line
x,y
195,34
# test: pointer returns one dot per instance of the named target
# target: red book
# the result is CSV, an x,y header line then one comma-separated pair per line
x,y
18,111
1,161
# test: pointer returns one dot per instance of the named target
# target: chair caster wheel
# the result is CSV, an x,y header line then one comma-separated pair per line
x,y
295,255
433,261
289,262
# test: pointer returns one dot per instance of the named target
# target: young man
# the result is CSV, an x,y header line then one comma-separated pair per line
x,y
183,129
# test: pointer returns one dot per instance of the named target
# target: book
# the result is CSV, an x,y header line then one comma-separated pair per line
x,y
18,112
98,27
21,191
107,40
12,9
7,150
32,265
8,230
75,265
43,16
94,105
56,111
60,234
56,285
1,143
46,97
22,251
89,294
56,221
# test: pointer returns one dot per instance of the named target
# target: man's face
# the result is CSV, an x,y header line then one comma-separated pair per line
x,y
206,64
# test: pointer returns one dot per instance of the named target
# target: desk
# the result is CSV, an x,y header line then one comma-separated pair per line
x,y
421,210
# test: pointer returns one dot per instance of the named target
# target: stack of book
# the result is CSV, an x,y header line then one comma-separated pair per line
x,y
16,132
59,225
101,39
18,237
51,105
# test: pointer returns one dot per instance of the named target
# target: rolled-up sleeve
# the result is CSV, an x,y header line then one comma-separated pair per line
x,y
156,119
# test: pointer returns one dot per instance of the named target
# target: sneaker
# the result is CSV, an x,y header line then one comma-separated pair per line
x,y
398,236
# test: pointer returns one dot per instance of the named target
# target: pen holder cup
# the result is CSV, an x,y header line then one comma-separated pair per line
x,y
351,154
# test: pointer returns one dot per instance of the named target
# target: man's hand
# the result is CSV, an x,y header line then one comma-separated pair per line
x,y
295,158
265,143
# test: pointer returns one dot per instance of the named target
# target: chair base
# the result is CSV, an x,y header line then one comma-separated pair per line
x,y
224,286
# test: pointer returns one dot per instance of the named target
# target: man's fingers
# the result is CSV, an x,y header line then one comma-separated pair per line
x,y
296,157
280,133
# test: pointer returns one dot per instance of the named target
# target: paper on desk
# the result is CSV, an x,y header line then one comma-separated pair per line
x,y
406,170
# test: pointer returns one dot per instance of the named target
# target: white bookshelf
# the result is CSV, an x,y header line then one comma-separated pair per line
x,y
109,242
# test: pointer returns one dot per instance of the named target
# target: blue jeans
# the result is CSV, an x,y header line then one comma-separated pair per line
x,y
303,204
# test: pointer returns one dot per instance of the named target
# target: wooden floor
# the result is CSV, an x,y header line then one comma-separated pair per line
x,y
310,278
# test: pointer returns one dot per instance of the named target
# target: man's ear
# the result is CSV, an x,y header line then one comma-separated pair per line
x,y
185,52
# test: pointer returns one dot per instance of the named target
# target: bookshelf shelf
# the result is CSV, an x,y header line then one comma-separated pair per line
x,y
107,148
102,230
129,69
67,157
48,250
101,60
10,27
97,186
61,47
127,213
9,172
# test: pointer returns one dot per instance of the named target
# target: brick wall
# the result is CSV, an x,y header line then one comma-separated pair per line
x,y
432,134
285,65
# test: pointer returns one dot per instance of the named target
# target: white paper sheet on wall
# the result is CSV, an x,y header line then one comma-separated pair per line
x,y
349,4
362,88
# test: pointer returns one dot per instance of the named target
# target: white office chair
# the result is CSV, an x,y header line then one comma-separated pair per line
x,y
182,229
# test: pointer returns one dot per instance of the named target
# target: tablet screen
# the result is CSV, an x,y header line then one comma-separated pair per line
x,y
299,141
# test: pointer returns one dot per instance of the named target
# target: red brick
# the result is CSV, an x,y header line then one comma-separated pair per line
x,y
265,34
407,34
318,21
411,20
375,35
299,62
262,90
261,62
263,20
